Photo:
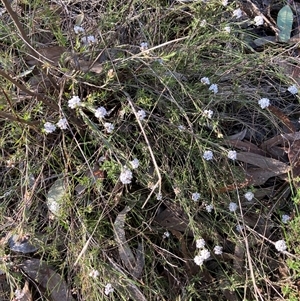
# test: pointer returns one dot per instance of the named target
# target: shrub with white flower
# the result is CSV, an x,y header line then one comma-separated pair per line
x,y
78,29
231,155
239,228
232,206
218,250
213,88
62,124
224,2
264,102
205,80
280,245
195,196
249,196
166,235
205,254
126,176
144,46
293,89
199,260
209,208
141,115
135,163
208,113
108,289
74,102
238,13
94,274
227,29
285,218
159,196
200,243
49,127
259,20
88,40
208,155
109,127
181,128
203,23
100,112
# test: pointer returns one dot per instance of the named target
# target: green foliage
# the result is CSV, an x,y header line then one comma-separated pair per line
x,y
285,23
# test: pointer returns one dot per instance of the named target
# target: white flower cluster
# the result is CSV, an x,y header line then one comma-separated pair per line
x,y
208,113
259,20
209,208
203,253
126,174
94,274
195,196
280,245
285,218
100,113
233,206
238,13
264,102
212,87
78,29
208,155
293,89
232,155
108,289
50,127
249,196
144,46
141,114
88,40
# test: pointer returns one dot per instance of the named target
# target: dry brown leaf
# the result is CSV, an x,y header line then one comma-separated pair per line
x,y
265,163
25,293
245,146
47,278
294,158
289,127
239,136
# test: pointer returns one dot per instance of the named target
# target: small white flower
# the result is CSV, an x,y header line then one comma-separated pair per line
x,y
232,155
227,29
293,89
198,260
195,196
285,218
239,228
232,206
249,196
205,254
224,2
159,196
78,29
237,13
109,127
144,46
205,80
94,274
2,11
49,127
166,235
181,128
264,102
74,102
100,112
218,250
62,124
203,23
209,208
280,245
208,113
108,289
135,163
141,114
213,88
200,243
259,20
126,176
208,155
89,40
19,294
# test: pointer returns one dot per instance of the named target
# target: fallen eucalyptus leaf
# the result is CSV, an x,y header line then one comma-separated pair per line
x,y
48,279
265,40
55,197
285,23
21,244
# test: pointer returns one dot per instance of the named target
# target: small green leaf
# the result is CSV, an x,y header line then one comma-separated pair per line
x,y
285,23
